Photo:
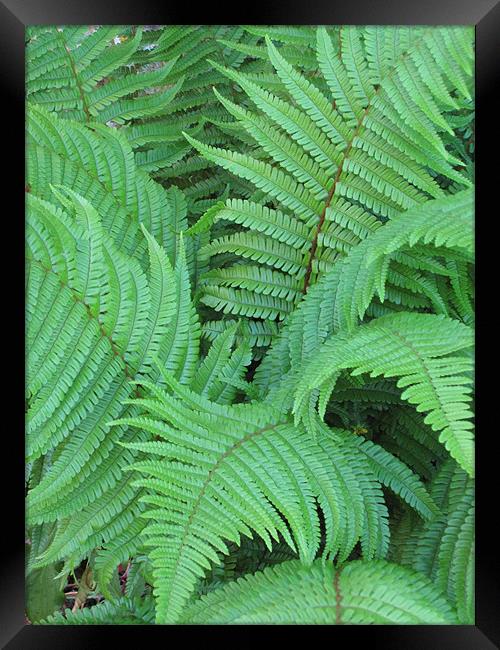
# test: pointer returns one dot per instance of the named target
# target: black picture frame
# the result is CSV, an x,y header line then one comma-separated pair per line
x,y
15,15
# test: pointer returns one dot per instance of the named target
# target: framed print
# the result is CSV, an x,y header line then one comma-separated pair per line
x,y
252,375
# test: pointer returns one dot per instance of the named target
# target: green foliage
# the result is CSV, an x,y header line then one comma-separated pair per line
x,y
249,324
417,348
205,490
334,173
444,549
358,592
43,589
83,74
123,611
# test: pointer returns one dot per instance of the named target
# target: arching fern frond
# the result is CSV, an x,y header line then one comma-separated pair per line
x,y
96,321
387,257
356,593
195,478
84,74
412,261
426,352
351,163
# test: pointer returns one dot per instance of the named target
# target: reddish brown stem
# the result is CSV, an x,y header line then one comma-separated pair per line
x,y
338,598
314,244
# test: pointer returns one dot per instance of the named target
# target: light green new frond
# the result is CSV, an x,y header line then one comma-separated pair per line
x,y
106,93
277,224
242,302
163,302
155,160
141,107
89,256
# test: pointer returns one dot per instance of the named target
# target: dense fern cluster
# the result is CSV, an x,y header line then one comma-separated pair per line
x,y
250,310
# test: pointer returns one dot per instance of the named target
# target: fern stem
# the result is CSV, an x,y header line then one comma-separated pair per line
x,y
314,243
338,597
129,373
202,491
77,80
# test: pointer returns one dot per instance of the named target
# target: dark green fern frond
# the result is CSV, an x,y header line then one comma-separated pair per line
x,y
444,549
405,434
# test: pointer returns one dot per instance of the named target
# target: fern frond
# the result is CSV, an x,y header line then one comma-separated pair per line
x,y
97,321
249,311
84,76
191,476
356,593
260,333
422,350
98,163
443,549
355,154
123,611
